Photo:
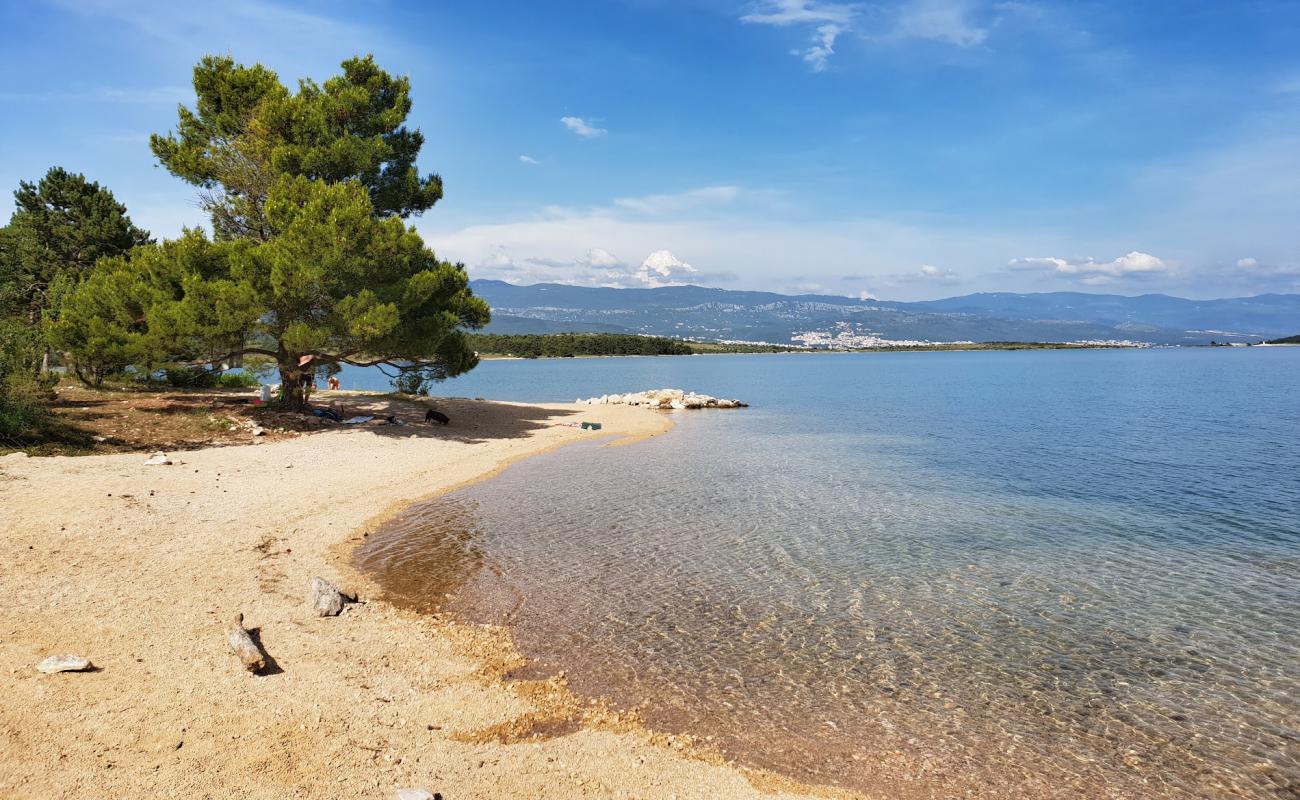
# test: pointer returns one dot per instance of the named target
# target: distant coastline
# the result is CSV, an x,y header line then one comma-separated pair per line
x,y
609,345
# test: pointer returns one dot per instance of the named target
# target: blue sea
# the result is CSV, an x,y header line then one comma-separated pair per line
x,y
1035,573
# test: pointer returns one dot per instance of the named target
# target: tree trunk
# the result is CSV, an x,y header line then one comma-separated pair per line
x,y
292,392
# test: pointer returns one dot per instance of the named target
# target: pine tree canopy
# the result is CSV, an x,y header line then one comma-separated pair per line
x,y
311,261
60,227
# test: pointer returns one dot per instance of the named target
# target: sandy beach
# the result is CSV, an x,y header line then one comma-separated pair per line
x,y
142,568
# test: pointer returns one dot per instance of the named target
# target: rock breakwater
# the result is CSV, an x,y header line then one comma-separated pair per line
x,y
663,398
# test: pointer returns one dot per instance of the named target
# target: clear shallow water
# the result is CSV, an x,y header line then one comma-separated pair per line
x,y
1033,574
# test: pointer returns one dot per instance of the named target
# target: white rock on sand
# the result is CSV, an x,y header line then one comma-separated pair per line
x,y
55,664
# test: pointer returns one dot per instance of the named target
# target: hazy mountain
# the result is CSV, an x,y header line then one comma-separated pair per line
x,y
695,311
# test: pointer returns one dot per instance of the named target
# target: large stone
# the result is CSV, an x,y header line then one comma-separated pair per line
x,y
157,459
64,663
325,598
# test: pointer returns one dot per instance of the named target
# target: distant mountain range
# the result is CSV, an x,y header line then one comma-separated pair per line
x,y
704,313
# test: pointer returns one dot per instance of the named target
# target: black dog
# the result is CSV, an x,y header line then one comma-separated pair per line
x,y
432,416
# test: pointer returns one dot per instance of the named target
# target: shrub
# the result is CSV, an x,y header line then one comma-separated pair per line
x,y
190,377
412,383
24,393
238,380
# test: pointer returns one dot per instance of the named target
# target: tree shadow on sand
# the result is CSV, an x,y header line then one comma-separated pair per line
x,y
472,421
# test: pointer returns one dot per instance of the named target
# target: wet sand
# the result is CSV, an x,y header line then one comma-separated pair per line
x,y
141,569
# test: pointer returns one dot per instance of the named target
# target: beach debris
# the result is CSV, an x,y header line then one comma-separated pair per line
x,y
663,398
259,431
325,598
64,663
242,645
157,459
417,794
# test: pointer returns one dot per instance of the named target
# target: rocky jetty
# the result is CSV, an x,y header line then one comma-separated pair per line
x,y
662,398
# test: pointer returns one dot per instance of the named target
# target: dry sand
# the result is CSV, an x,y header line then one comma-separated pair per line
x,y
141,569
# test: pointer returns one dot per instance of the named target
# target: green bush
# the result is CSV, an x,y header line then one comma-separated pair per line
x,y
190,377
24,393
238,380
413,382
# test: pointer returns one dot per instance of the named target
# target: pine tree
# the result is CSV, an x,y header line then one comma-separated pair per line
x,y
311,262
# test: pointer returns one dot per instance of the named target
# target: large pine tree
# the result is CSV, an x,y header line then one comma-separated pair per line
x,y
310,262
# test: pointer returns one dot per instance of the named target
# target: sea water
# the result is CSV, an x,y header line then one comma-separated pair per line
x,y
1042,573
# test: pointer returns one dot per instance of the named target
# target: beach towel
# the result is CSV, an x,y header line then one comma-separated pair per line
x,y
356,420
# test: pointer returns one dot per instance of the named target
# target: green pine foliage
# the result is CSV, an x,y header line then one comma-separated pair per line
x,y
310,263
24,391
60,227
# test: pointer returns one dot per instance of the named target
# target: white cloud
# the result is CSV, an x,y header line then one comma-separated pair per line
x,y
583,128
824,48
529,160
929,272
680,201
1258,269
830,19
758,246
1093,272
794,12
662,268
939,20
597,257
597,267
866,295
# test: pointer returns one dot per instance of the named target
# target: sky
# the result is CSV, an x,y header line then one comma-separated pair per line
x,y
903,149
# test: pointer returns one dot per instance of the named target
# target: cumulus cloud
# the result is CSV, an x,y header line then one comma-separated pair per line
x,y
596,267
1091,271
662,268
583,128
529,160
829,21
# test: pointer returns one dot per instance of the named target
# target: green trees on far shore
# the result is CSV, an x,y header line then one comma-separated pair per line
x,y
567,345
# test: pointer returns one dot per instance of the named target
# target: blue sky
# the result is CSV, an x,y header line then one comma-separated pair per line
x,y
903,150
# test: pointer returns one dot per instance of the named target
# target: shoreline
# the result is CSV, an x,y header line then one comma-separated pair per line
x,y
139,568
978,348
